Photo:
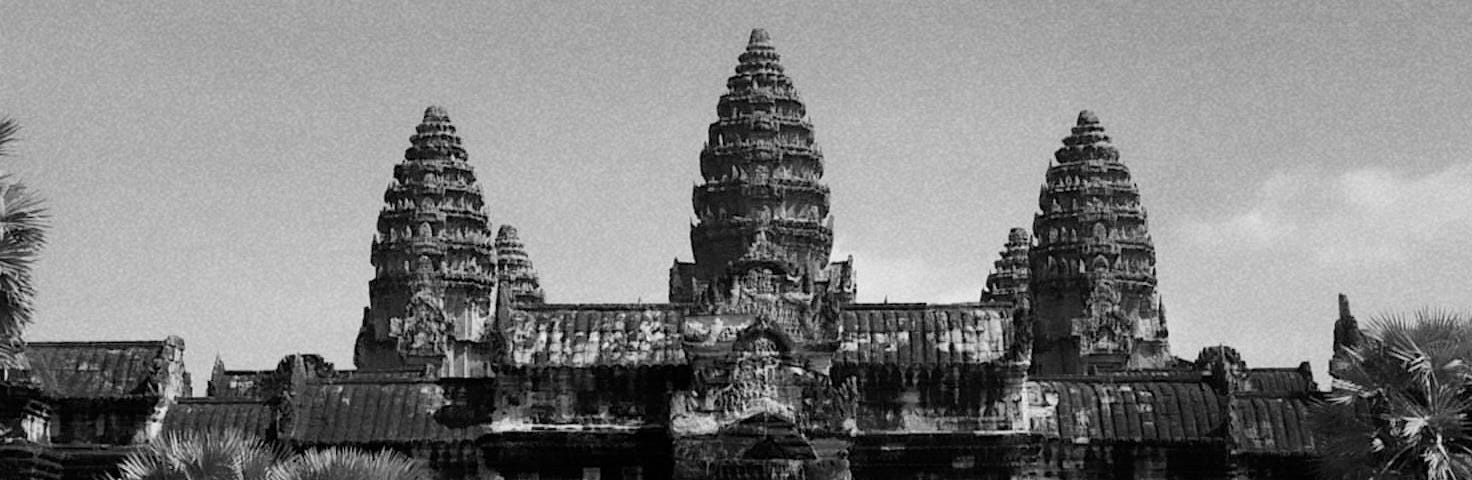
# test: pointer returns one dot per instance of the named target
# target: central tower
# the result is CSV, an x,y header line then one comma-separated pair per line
x,y
1093,270
762,173
434,259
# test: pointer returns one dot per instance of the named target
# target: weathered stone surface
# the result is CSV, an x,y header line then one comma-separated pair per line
x,y
761,367
434,259
762,173
514,268
1010,273
1092,278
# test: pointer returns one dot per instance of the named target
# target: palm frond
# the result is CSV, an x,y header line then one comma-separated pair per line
x,y
1400,402
215,455
8,127
23,225
350,464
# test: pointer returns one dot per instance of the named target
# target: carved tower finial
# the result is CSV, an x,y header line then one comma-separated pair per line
x,y
759,38
1087,117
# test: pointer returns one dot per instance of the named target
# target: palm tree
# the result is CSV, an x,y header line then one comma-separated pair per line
x,y
351,464
1400,403
232,455
22,233
215,455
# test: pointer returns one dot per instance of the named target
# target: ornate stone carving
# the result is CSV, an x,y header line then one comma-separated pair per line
x,y
431,237
422,330
1097,249
1010,273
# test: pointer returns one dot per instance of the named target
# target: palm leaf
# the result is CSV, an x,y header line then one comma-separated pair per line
x,y
211,455
1400,402
350,464
8,128
22,233
23,225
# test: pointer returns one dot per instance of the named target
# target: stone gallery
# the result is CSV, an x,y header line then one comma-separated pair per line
x,y
760,366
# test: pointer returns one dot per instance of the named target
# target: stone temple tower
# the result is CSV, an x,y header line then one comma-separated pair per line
x,y
514,268
1008,280
1093,268
433,256
762,180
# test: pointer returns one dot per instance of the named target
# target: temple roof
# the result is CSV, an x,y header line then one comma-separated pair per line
x,y
1131,411
98,370
924,334
1281,382
252,417
1273,426
595,335
379,411
1179,408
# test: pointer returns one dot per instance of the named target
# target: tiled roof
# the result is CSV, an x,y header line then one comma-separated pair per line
x,y
353,412
204,414
1275,426
97,369
1281,382
923,334
589,335
1142,411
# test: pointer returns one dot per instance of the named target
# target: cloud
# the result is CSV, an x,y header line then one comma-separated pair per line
x,y
1369,217
1265,224
899,279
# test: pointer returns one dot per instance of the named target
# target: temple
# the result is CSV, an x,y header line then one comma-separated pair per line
x,y
760,366
1010,273
1093,270
434,261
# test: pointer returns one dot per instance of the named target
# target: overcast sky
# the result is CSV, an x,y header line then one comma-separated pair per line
x,y
215,172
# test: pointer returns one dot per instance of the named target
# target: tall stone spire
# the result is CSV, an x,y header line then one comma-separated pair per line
x,y
1008,280
1093,269
433,257
1347,336
514,268
762,198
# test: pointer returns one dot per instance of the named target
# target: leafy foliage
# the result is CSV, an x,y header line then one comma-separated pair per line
x,y
221,455
22,233
350,464
1400,404
232,455
8,128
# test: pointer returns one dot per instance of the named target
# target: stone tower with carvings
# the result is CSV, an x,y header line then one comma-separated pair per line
x,y
762,193
1092,285
433,256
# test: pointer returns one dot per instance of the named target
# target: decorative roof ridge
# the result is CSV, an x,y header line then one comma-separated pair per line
x,y
101,343
920,305
373,371
366,380
249,372
223,400
1125,377
1282,395
601,306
